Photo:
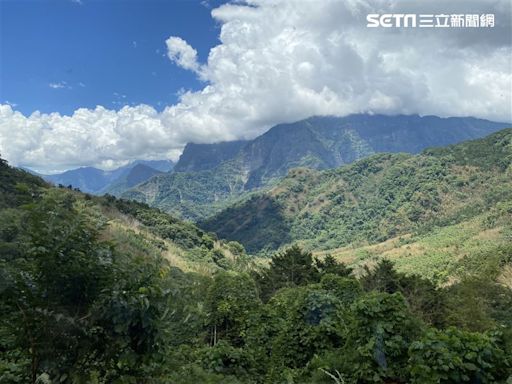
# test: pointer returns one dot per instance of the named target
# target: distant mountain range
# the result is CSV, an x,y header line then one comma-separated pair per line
x,y
208,177
97,181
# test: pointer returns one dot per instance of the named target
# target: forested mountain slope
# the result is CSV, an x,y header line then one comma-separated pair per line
x,y
96,290
200,157
374,199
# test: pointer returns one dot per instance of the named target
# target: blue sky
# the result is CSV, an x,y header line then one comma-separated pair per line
x,y
60,55
119,80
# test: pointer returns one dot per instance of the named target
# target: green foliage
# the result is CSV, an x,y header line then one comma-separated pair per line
x,y
374,199
424,299
87,297
191,195
230,299
455,356
163,225
345,289
330,265
292,267
17,187
479,304
74,308
292,327
227,360
381,332
382,278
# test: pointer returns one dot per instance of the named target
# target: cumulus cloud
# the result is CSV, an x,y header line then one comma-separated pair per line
x,y
100,137
181,53
281,61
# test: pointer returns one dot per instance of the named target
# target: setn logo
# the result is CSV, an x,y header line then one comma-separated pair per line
x,y
389,20
405,20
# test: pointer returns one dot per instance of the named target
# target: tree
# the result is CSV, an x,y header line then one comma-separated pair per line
x,y
60,270
292,267
457,356
383,278
230,299
330,265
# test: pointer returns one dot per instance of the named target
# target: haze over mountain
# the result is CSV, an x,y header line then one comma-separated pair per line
x,y
98,181
208,175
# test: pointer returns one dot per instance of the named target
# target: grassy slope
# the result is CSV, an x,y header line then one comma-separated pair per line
x,y
132,236
440,255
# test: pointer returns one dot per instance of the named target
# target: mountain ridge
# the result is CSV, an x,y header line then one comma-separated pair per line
x,y
318,142
98,181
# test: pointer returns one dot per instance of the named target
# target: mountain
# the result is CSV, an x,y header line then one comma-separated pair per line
x,y
214,175
191,195
17,186
98,181
95,289
136,175
374,199
200,157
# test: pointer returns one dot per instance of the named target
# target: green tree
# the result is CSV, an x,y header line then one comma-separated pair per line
x,y
292,267
330,265
230,299
456,356
380,331
383,278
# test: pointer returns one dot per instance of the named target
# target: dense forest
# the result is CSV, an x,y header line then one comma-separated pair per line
x,y
102,290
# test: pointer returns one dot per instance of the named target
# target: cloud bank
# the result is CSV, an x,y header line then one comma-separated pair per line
x,y
281,61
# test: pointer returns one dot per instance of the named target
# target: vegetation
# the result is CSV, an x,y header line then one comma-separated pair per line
x,y
102,290
376,199
191,195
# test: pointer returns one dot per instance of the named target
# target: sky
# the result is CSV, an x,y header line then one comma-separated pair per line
x,y
61,55
101,83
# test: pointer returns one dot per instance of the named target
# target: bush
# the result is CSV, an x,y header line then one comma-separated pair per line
x,y
455,356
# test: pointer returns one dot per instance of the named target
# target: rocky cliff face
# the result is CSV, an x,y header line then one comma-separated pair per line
x,y
200,157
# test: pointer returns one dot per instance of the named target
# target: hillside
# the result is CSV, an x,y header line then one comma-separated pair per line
x,y
136,175
375,199
129,223
215,175
101,290
191,195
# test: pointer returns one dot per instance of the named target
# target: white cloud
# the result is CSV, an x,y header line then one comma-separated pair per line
x,y
97,136
10,103
182,54
281,61
59,85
